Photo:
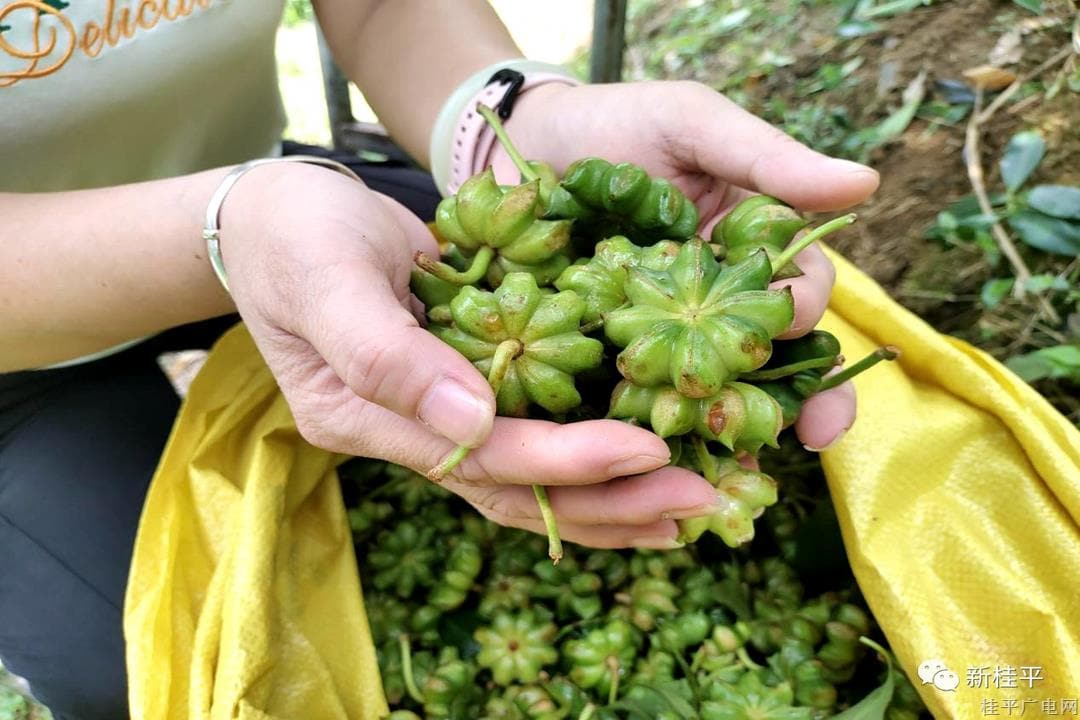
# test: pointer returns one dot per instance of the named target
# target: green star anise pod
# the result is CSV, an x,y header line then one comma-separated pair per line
x,y
759,223
740,416
410,491
462,568
450,690
682,631
741,497
646,600
751,699
526,341
622,199
657,666
600,280
506,592
387,616
403,559
534,702
602,654
794,663
489,223
516,647
698,325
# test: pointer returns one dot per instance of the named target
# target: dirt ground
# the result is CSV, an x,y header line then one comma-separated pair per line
x,y
923,169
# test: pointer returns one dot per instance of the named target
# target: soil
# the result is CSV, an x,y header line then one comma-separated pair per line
x,y
923,170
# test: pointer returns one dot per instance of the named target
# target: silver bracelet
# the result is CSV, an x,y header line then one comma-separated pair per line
x,y
212,226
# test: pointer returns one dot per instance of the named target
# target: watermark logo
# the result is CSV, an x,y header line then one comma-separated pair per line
x,y
936,673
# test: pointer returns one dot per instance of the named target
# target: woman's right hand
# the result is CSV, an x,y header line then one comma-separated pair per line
x,y
319,269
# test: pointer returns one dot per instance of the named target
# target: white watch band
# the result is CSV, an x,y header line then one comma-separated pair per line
x,y
446,125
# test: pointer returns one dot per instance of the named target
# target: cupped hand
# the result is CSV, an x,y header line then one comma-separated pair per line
x,y
716,153
319,270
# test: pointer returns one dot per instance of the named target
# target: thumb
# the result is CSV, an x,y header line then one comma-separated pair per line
x,y
738,147
379,351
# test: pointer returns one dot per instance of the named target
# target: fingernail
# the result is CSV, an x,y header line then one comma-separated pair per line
x,y
691,512
847,166
839,436
636,464
657,543
455,413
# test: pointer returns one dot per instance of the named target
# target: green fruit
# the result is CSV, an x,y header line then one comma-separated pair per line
x,y
531,339
647,600
751,699
603,653
739,416
515,647
600,280
622,199
759,223
403,559
485,221
462,568
698,325
683,631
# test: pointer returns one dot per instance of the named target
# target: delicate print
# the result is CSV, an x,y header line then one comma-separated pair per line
x,y
39,37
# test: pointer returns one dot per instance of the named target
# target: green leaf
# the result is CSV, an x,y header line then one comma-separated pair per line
x,y
968,206
892,7
898,122
876,704
1061,362
857,28
1022,155
650,700
1049,234
994,291
1042,283
1034,6
1061,201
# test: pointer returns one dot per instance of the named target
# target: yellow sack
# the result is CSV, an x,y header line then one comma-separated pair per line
x,y
958,492
244,599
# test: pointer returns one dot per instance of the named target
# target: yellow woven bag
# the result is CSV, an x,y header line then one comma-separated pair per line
x,y
958,492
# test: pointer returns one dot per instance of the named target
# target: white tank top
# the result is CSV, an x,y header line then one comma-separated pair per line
x,y
106,92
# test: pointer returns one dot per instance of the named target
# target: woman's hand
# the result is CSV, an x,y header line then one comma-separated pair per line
x,y
718,154
319,269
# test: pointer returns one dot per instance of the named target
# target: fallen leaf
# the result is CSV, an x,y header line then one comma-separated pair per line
x,y
990,78
1008,49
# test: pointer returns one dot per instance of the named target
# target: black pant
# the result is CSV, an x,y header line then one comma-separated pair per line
x,y
78,447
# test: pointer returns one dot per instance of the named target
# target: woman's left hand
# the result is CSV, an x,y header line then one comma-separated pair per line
x,y
716,153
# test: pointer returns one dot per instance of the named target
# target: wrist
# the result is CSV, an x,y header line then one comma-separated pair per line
x,y
461,141
254,206
533,128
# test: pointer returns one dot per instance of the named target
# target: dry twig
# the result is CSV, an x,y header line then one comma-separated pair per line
x,y
984,116
980,116
978,184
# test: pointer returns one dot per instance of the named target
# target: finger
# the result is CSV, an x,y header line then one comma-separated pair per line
x,y
379,351
732,144
811,290
825,417
518,452
527,452
669,493
656,536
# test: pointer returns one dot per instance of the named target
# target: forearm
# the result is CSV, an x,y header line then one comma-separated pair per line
x,y
81,271
409,55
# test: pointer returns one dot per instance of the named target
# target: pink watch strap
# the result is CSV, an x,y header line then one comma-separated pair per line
x,y
473,139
